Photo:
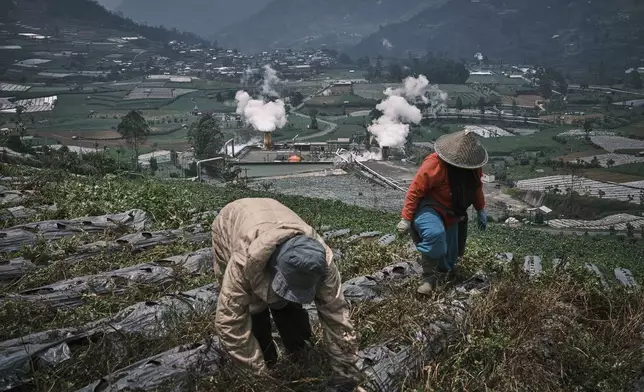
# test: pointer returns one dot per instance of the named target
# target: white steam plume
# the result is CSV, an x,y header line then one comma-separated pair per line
x,y
479,56
246,76
270,80
413,88
261,115
391,129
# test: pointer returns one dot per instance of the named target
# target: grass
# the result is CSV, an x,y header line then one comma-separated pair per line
x,y
632,130
619,174
557,333
633,169
518,172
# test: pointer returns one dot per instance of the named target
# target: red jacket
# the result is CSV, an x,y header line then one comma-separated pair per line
x,y
431,180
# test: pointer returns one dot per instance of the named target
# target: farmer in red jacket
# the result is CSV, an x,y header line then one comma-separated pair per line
x,y
435,210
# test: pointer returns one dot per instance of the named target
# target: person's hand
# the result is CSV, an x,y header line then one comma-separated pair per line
x,y
403,226
482,221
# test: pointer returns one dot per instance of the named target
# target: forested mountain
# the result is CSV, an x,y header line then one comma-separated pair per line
x,y
313,23
574,32
203,17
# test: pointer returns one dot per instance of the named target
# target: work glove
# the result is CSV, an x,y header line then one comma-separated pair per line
x,y
403,226
482,221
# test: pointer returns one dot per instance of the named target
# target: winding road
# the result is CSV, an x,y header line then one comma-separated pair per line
x,y
331,127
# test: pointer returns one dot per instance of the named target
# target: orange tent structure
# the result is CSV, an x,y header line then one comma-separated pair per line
x,y
294,159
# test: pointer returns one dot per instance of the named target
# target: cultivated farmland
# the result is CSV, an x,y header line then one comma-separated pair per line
x,y
629,191
614,143
617,159
156,93
617,222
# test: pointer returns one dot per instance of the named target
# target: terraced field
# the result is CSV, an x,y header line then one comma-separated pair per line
x,y
106,284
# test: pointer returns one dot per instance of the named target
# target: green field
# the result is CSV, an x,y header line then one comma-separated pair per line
x,y
185,104
468,95
635,129
633,169
339,100
540,141
342,74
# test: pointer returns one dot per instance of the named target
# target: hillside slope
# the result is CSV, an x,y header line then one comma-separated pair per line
x,y
309,23
204,17
48,14
125,301
572,32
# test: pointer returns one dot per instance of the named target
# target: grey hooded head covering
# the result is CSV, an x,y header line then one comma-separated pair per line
x,y
299,265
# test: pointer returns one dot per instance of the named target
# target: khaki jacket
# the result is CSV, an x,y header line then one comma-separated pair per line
x,y
244,236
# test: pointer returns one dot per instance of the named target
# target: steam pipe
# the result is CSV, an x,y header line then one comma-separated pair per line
x,y
203,161
226,147
370,171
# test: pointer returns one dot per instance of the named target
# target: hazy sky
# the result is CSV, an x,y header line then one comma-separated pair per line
x,y
110,4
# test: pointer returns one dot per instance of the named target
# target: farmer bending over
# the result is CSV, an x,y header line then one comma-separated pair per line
x,y
270,262
435,210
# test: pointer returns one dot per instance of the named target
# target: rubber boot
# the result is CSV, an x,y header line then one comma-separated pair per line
x,y
430,278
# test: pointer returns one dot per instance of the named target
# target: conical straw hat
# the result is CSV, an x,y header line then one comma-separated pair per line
x,y
461,149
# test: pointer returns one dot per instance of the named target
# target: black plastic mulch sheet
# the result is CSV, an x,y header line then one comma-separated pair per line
x,y
69,292
175,368
138,241
14,238
149,318
384,365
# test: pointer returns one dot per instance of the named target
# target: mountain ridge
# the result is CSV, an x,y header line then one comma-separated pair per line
x,y
576,32
202,17
306,24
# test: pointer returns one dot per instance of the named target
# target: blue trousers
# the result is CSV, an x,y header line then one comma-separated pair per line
x,y
436,242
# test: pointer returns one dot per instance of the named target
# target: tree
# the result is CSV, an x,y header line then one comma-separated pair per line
x,y
459,106
19,111
377,73
344,58
550,79
154,166
231,95
363,62
481,105
395,72
588,128
297,98
219,97
205,137
515,107
375,114
314,118
135,130
635,79
610,163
